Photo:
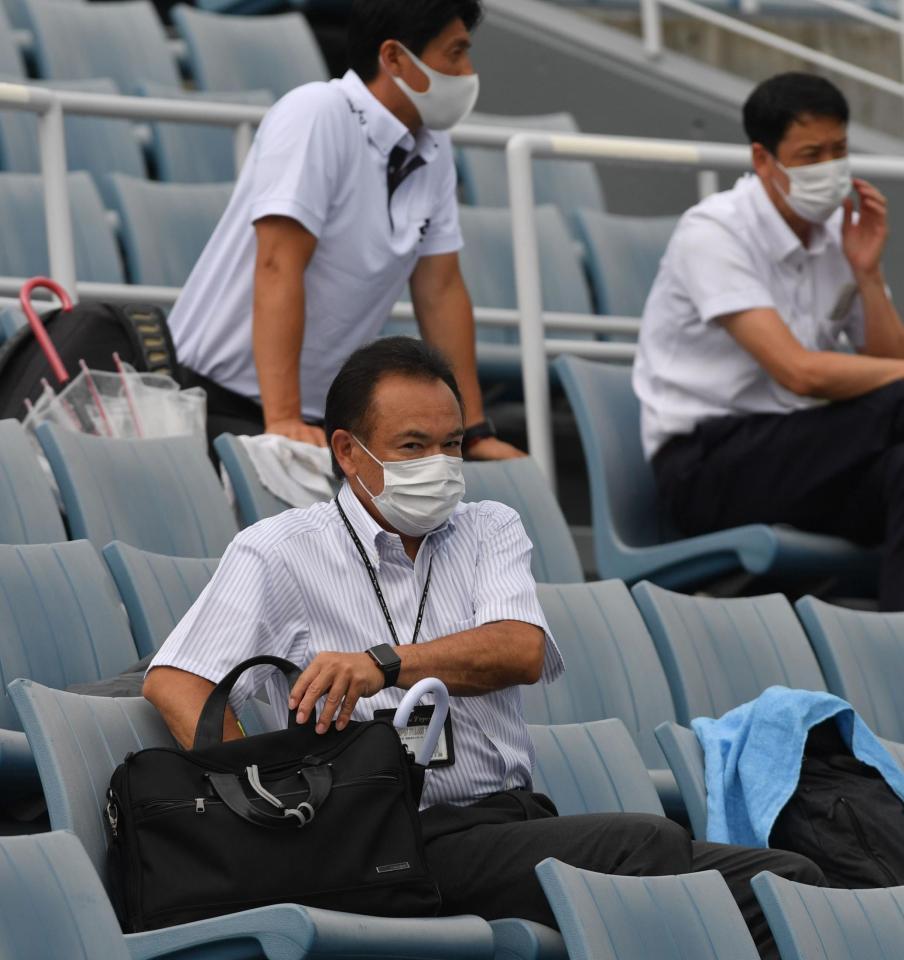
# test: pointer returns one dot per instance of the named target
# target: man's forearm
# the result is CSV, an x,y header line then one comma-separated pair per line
x,y
884,330
842,376
278,333
180,697
478,661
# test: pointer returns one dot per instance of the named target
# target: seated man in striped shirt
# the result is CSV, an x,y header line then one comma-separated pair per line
x,y
396,580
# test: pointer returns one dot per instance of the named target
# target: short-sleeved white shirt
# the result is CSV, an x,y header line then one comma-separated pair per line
x,y
319,157
294,586
733,252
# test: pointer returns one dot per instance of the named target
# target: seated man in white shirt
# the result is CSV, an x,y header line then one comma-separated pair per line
x,y
754,406
348,193
397,580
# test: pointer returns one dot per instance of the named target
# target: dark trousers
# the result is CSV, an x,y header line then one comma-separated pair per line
x,y
835,469
227,411
483,856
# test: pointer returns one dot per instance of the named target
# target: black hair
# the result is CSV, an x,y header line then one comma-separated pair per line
x,y
777,102
349,400
412,22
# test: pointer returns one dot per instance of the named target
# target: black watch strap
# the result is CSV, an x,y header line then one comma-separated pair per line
x,y
385,657
476,432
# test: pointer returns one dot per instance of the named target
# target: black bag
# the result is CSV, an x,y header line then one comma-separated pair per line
x,y
843,816
92,332
326,820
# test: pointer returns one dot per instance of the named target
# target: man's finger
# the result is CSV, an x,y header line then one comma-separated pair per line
x,y
352,696
302,683
330,705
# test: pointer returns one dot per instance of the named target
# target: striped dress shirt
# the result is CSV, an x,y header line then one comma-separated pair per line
x,y
294,586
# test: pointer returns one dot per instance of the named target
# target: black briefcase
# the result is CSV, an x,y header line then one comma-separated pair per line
x,y
326,820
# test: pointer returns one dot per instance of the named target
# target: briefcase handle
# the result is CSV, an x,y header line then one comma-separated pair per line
x,y
210,724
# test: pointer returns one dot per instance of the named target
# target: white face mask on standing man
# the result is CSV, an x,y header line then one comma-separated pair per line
x,y
448,99
817,190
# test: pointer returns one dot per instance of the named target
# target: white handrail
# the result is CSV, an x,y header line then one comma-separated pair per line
x,y
520,152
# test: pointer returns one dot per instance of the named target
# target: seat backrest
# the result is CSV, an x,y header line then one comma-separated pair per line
x,y
252,499
592,768
158,494
611,666
822,923
123,40
862,657
605,917
156,590
488,265
22,216
61,621
720,653
185,214
684,754
54,904
97,145
197,153
28,511
567,184
622,489
520,485
623,255
275,53
11,64
77,743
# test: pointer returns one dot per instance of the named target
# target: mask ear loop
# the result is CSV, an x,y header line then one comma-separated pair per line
x,y
375,460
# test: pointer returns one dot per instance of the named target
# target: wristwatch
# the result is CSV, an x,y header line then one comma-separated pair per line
x,y
386,658
476,432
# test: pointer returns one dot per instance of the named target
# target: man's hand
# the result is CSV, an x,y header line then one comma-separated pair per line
x,y
298,430
343,678
491,448
864,241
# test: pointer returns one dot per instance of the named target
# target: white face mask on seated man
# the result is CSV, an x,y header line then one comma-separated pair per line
x,y
817,190
447,101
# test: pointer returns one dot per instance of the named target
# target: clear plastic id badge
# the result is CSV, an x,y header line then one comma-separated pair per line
x,y
412,735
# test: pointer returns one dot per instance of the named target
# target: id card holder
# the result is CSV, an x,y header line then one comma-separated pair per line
x,y
412,735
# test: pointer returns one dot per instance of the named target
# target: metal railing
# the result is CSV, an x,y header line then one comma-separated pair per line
x,y
651,24
521,150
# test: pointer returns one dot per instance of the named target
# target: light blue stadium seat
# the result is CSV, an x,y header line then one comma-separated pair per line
x,y
252,499
28,511
11,64
165,226
685,758
61,622
612,670
566,184
275,53
520,485
160,495
592,768
157,590
24,254
605,917
821,923
12,320
718,653
862,657
197,153
97,145
631,537
622,256
78,742
123,40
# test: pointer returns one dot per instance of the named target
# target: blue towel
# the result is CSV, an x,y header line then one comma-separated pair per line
x,y
753,756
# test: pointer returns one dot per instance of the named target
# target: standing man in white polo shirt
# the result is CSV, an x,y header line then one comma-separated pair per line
x,y
771,356
349,193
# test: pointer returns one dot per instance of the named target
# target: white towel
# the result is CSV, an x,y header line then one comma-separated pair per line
x,y
298,473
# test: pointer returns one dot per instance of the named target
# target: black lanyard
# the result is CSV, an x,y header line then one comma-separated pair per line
x,y
376,583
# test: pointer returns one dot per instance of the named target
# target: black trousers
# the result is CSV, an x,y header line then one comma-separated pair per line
x,y
835,469
483,857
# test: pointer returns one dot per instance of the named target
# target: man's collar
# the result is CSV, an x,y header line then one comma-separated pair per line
x,y
370,533
384,129
781,241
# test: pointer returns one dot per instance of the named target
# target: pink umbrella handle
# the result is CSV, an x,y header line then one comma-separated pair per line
x,y
37,325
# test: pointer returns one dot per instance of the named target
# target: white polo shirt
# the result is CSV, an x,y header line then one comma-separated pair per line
x,y
319,157
735,252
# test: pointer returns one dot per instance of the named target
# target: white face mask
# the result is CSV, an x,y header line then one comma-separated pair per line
x,y
447,101
817,189
418,495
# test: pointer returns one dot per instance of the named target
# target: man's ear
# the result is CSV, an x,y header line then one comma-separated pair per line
x,y
761,158
342,443
390,53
